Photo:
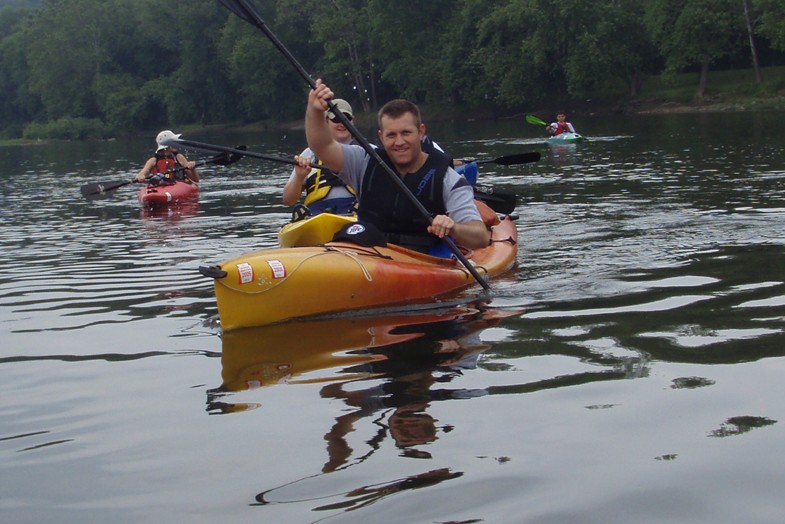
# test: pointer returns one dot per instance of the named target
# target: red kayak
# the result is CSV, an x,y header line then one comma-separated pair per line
x,y
168,194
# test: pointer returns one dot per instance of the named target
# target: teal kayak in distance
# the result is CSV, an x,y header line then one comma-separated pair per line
x,y
566,138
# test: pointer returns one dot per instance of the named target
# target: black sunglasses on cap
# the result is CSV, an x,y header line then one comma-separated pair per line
x,y
336,120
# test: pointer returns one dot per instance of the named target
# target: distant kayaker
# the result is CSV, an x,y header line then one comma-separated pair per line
x,y
323,190
164,164
445,194
561,125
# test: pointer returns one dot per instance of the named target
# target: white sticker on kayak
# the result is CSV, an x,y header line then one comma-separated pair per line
x,y
245,270
279,271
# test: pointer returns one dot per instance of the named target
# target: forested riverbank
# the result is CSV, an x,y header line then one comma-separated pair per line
x,y
135,66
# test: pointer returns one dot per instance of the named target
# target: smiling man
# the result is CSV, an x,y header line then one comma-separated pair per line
x,y
446,195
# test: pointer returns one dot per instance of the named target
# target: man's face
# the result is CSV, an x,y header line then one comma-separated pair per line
x,y
339,131
561,117
401,137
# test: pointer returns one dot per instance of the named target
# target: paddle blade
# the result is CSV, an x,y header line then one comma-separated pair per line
x,y
534,120
101,190
511,160
241,9
234,157
224,159
499,200
521,158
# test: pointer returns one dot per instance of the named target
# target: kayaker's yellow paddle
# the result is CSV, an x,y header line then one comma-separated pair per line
x,y
101,190
534,120
245,10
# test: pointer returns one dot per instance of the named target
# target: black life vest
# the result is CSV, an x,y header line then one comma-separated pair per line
x,y
430,147
384,205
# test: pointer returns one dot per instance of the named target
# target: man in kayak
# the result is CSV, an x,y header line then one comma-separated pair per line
x,y
561,125
167,164
445,194
323,190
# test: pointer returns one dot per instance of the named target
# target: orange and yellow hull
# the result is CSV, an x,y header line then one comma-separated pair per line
x,y
277,285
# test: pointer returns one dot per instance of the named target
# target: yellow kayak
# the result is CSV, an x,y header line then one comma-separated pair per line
x,y
312,231
277,285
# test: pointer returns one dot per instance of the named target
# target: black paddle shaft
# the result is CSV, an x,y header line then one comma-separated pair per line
x,y
235,151
245,10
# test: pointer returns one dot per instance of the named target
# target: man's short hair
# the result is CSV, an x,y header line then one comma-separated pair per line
x,y
397,108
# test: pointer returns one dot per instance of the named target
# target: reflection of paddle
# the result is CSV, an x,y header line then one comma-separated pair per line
x,y
509,160
534,120
245,10
100,190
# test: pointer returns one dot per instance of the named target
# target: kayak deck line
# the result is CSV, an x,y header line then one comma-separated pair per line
x,y
352,253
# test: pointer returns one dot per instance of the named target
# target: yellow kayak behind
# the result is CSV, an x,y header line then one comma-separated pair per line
x,y
312,231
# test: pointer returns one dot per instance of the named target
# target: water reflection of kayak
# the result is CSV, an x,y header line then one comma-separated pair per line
x,y
344,348
174,213
385,370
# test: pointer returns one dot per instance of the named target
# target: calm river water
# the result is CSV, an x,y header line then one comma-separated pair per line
x,y
631,369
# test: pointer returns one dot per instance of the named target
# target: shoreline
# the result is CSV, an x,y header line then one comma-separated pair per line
x,y
715,104
638,106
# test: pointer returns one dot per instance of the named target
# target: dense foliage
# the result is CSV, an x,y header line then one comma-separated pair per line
x,y
81,68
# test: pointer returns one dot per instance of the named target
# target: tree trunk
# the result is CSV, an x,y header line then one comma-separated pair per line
x,y
752,41
704,81
357,75
372,81
634,83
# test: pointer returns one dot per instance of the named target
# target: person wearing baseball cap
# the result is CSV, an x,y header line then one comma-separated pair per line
x,y
324,192
163,165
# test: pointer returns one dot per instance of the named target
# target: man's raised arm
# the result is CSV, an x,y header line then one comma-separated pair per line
x,y
317,131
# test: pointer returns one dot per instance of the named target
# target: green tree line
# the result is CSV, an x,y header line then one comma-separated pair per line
x,y
90,68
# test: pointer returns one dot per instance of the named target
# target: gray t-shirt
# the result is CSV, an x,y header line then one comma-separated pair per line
x,y
459,202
